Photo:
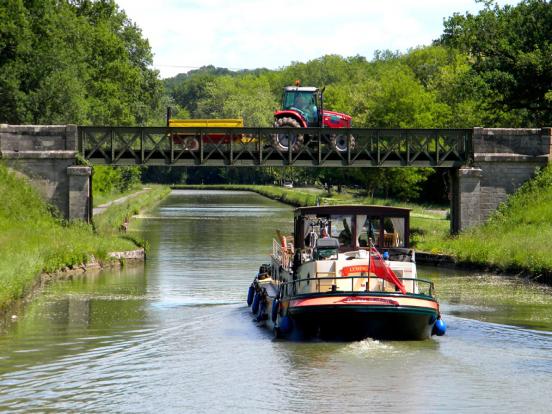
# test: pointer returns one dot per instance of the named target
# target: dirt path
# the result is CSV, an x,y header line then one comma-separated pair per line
x,y
100,209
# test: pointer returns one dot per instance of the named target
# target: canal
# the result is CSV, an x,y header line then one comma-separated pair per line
x,y
176,335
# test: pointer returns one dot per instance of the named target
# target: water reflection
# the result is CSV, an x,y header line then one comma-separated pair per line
x,y
493,298
176,336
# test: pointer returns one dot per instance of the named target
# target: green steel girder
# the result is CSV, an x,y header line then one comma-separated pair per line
x,y
256,147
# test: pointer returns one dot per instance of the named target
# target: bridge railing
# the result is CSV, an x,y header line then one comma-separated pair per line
x,y
269,146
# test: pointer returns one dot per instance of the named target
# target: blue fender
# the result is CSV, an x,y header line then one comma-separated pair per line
x,y
262,312
285,325
256,302
439,328
250,294
275,309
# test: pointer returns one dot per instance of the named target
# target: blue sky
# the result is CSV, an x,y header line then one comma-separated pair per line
x,y
248,34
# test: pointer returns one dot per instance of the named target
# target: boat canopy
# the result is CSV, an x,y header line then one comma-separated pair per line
x,y
353,226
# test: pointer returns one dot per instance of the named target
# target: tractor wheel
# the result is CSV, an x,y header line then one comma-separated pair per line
x,y
191,143
282,140
339,142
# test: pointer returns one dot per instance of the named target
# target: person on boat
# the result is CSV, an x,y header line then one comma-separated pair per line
x,y
345,235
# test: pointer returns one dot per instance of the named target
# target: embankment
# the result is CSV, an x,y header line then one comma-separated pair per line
x,y
34,240
517,239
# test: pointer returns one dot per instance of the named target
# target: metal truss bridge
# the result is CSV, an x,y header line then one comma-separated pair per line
x,y
258,147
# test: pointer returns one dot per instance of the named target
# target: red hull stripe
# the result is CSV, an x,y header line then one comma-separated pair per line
x,y
364,300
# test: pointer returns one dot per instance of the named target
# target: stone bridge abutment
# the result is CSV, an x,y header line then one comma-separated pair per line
x,y
47,156
503,159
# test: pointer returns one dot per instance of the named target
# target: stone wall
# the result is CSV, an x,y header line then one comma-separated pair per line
x,y
503,159
46,155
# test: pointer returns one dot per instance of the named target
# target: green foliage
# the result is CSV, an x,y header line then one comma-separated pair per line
x,y
248,98
81,62
511,50
114,180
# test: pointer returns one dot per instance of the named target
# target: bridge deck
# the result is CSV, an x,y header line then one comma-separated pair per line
x,y
255,147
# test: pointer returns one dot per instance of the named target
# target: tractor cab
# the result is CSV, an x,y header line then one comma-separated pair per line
x,y
304,100
303,107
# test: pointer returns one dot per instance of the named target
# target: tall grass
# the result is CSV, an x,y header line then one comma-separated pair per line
x,y
33,240
518,237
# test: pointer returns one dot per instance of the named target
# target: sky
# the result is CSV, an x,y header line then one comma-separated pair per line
x,y
249,34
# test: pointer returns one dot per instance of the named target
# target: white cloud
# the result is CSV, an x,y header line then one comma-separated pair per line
x,y
247,34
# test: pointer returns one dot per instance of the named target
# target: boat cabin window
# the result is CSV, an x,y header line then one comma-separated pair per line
x,y
393,232
341,229
368,228
354,230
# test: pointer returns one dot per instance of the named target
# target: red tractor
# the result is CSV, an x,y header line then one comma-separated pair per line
x,y
303,107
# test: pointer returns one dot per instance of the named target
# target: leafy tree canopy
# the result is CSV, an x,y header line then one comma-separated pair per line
x,y
77,61
510,49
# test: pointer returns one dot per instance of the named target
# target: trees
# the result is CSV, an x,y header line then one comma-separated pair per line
x,y
247,97
77,61
511,52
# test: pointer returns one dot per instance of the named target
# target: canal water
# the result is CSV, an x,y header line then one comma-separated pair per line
x,y
176,336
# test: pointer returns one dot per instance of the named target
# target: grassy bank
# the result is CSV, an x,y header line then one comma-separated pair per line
x,y
103,198
518,237
32,240
108,223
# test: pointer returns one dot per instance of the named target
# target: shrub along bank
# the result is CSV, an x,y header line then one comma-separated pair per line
x,y
33,240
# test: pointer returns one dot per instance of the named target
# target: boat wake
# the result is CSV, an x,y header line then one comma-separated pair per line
x,y
367,347
189,302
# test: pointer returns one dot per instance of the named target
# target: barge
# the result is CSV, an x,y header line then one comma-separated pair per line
x,y
346,273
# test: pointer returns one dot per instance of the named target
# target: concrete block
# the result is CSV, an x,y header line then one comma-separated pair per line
x,y
524,141
79,192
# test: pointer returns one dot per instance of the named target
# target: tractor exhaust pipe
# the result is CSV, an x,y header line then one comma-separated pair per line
x,y
320,120
169,114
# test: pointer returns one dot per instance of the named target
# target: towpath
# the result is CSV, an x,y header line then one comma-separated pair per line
x,y
100,209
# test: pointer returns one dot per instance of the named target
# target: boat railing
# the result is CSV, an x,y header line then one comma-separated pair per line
x,y
281,255
357,284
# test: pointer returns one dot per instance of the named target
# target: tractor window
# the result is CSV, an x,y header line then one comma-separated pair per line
x,y
302,102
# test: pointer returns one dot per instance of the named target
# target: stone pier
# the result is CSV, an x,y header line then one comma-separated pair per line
x,y
46,155
503,159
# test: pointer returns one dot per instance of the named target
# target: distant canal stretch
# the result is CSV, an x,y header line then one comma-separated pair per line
x,y
177,336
